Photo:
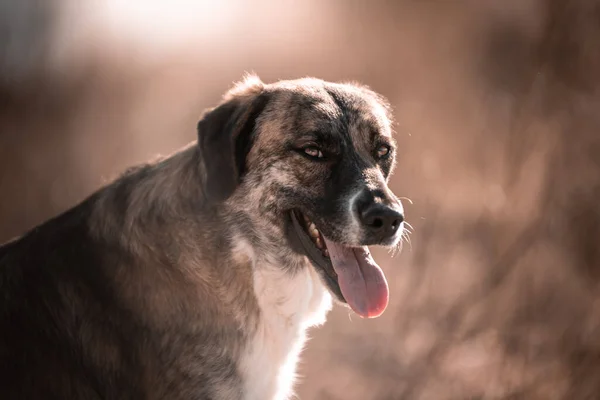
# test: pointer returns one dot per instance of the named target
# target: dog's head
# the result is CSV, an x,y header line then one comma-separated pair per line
x,y
312,160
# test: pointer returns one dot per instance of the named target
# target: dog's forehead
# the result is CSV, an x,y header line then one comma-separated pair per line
x,y
314,105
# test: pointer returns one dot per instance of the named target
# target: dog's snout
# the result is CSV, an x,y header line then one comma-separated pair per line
x,y
380,219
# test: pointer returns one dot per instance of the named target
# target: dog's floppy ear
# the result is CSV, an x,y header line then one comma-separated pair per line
x,y
225,137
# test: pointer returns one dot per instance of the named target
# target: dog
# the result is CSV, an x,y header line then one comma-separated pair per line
x,y
197,276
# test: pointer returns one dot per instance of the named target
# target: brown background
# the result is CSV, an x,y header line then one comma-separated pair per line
x,y
497,119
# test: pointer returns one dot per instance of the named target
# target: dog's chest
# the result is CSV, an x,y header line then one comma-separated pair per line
x,y
289,305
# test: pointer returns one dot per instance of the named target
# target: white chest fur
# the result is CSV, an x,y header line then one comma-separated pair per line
x,y
289,306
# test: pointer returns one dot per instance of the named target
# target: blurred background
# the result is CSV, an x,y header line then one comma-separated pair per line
x,y
497,114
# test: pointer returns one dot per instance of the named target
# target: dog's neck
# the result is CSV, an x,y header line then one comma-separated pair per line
x,y
163,189
264,228
166,197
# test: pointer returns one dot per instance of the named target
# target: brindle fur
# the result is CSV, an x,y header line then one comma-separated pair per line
x,y
139,292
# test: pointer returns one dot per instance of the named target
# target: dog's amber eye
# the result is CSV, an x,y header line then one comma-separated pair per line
x,y
383,151
313,152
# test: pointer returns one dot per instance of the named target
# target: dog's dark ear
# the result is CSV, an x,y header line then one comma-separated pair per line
x,y
225,137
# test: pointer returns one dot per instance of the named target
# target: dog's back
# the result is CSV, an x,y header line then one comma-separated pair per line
x,y
80,319
57,308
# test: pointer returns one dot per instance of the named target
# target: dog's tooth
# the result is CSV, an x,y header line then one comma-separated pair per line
x,y
319,242
326,252
314,232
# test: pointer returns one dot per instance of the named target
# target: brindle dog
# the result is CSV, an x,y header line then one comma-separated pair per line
x,y
197,276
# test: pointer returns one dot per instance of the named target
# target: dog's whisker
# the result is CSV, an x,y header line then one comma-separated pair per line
x,y
409,241
407,199
350,315
398,248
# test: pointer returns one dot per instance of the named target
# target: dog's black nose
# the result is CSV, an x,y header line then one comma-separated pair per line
x,y
380,220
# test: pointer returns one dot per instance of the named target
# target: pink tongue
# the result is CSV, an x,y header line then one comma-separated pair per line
x,y
361,280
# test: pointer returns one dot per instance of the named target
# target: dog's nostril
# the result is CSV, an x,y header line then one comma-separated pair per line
x,y
398,221
377,223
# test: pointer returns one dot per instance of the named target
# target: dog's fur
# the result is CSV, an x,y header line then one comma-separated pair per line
x,y
180,280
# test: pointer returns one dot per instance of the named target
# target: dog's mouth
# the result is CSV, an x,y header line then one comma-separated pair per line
x,y
350,273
